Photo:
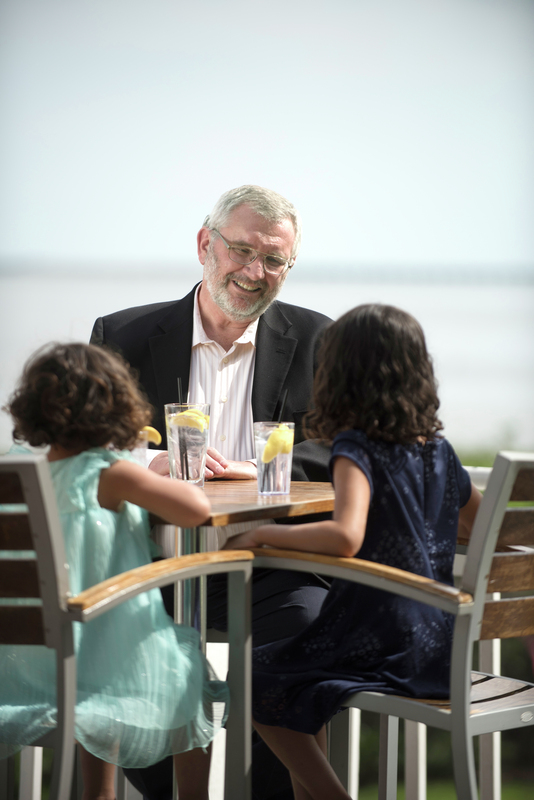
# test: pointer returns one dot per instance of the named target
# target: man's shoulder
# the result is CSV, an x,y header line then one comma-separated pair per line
x,y
150,312
126,315
298,316
143,321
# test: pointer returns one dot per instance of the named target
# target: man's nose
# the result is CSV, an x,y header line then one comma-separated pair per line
x,y
256,270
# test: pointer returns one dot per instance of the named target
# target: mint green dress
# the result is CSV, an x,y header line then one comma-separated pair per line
x,y
144,689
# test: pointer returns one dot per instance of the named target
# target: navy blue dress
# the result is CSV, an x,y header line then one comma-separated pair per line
x,y
364,638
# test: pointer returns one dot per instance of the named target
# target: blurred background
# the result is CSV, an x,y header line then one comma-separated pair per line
x,y
403,131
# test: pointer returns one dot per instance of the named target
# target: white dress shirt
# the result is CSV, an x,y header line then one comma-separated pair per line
x,y
224,380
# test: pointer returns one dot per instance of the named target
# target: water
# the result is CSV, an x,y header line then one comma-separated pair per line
x,y
187,444
480,335
274,463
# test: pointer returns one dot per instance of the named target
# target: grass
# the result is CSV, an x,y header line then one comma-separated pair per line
x,y
444,790
477,458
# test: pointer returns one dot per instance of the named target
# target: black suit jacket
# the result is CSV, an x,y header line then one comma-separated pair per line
x,y
156,341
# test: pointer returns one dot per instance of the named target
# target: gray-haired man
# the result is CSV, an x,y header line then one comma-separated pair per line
x,y
235,346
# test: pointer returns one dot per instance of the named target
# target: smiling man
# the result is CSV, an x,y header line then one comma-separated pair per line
x,y
237,347
230,341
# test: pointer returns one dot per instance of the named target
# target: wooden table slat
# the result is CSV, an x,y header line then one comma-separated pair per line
x,y
238,501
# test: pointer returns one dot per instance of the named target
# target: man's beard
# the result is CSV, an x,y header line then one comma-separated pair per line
x,y
237,308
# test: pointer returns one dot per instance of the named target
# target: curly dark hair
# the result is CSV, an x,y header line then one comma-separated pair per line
x,y
374,374
77,396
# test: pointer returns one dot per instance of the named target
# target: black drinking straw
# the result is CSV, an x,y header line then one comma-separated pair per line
x,y
283,406
184,463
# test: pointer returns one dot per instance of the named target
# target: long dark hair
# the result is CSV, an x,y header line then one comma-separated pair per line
x,y
375,374
77,396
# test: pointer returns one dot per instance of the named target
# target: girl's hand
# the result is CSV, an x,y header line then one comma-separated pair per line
x,y
243,541
341,536
160,464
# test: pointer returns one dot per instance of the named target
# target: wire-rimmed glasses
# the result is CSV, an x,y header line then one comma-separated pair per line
x,y
241,254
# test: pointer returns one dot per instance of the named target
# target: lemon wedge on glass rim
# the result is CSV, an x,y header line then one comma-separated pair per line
x,y
150,434
279,441
192,418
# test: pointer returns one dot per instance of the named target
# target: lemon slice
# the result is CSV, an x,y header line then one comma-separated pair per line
x,y
192,418
279,441
151,434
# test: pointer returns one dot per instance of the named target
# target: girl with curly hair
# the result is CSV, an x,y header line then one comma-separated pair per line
x,y
401,495
144,689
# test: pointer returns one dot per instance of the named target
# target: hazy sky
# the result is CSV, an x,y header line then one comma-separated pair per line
x,y
403,130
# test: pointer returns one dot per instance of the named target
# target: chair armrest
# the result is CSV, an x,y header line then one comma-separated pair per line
x,y
369,573
100,598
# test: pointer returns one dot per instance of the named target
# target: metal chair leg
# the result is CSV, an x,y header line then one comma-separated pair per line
x,y
489,660
388,758
239,726
344,748
415,760
31,773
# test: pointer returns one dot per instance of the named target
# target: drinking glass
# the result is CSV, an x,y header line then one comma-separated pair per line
x,y
187,440
274,453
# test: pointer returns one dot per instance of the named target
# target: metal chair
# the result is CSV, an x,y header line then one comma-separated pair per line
x,y
499,559
33,567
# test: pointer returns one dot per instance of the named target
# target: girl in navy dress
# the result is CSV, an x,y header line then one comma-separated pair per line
x,y
401,495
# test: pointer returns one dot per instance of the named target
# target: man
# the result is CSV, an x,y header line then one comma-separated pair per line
x,y
235,346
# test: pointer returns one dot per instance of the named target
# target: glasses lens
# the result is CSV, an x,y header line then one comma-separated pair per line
x,y
274,265
242,255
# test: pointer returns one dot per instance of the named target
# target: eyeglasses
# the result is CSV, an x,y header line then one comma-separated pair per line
x,y
241,254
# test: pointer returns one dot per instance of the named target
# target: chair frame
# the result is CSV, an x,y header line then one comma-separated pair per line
x,y
468,604
30,483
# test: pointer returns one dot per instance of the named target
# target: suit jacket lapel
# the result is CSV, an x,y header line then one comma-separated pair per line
x,y
171,351
274,353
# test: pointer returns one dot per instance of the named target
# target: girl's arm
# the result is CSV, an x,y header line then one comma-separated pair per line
x,y
468,513
178,502
341,536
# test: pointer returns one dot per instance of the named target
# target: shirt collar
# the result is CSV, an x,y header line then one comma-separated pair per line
x,y
201,337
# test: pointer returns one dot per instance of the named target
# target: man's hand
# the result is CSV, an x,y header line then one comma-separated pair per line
x,y
160,463
217,466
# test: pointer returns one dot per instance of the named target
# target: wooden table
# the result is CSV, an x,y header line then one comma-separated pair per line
x,y
239,501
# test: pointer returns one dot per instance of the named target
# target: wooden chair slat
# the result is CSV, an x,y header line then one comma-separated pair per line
x,y
11,488
21,625
508,619
523,490
495,687
523,696
512,572
489,694
19,579
517,528
15,532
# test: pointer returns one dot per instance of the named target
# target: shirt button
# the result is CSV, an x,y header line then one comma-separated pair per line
x,y
224,399
222,438
225,360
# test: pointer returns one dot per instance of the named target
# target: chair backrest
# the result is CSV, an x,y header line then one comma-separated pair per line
x,y
33,571
500,553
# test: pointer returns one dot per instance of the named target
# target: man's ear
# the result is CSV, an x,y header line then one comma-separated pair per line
x,y
203,240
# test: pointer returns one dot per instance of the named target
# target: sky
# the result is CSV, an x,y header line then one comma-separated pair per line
x,y
402,130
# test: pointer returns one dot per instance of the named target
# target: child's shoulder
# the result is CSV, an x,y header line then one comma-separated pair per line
x,y
76,479
376,454
355,440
